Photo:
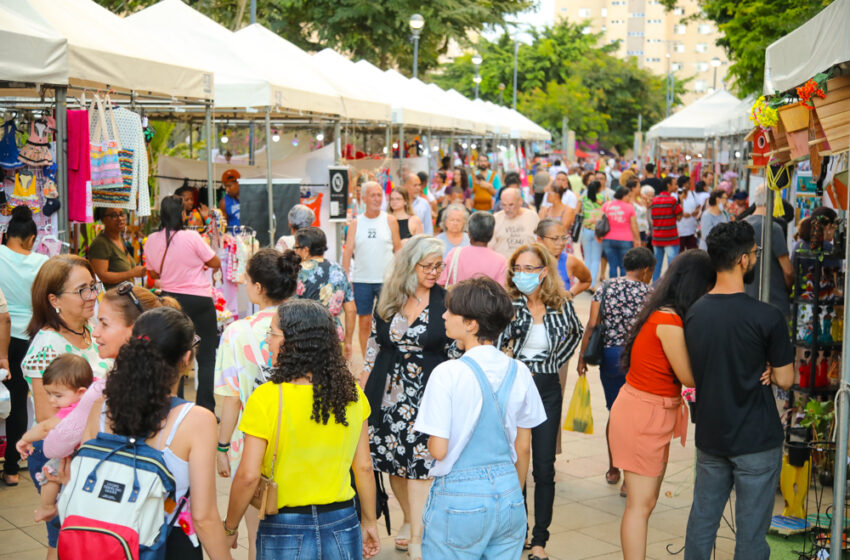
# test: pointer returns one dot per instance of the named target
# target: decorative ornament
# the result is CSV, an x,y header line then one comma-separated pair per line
x,y
808,91
763,115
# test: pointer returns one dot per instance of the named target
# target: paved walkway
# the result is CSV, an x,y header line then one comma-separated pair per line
x,y
587,513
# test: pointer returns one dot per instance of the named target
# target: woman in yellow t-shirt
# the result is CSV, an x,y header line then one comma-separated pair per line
x,y
321,434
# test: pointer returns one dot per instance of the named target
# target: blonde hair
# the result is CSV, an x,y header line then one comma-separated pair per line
x,y
400,279
405,196
552,291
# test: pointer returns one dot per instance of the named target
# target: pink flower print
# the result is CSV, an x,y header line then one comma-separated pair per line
x,y
335,304
300,289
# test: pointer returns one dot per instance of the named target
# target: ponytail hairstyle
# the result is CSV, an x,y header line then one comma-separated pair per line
x,y
276,272
138,388
171,216
311,347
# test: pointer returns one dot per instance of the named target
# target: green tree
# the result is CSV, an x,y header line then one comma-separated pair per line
x,y
749,27
363,29
563,72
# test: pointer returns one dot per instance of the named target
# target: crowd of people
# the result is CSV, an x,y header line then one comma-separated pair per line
x,y
465,335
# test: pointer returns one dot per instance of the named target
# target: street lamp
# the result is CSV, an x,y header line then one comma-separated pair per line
x,y
476,61
715,62
416,22
501,93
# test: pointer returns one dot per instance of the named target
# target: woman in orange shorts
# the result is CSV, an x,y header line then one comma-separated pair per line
x,y
649,410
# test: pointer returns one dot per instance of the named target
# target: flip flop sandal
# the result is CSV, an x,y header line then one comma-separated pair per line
x,y
612,479
623,490
403,535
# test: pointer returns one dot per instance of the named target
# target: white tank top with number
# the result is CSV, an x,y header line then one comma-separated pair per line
x,y
373,249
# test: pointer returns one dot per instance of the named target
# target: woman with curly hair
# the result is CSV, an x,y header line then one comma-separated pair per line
x,y
311,416
408,341
243,361
141,399
543,335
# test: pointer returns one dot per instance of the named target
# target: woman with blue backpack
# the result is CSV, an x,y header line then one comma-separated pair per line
x,y
145,449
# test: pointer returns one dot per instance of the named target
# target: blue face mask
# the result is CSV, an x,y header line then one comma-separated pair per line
x,y
526,282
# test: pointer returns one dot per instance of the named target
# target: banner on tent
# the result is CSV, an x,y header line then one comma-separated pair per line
x,y
339,193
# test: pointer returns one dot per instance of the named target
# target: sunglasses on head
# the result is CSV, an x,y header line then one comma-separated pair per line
x,y
126,289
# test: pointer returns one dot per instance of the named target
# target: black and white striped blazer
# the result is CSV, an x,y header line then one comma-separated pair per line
x,y
563,329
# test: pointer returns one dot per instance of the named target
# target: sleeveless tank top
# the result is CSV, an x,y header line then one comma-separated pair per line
x,y
373,249
404,228
231,208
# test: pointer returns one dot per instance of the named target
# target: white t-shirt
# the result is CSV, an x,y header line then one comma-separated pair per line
x,y
688,226
422,208
537,342
570,199
452,402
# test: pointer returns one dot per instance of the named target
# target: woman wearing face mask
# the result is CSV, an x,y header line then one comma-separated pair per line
x,y
713,215
543,335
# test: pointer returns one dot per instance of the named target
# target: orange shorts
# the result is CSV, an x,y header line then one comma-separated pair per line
x,y
641,427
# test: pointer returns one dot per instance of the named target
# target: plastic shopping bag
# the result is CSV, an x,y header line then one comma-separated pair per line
x,y
579,417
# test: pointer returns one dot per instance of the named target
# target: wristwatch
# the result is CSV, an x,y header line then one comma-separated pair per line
x,y
229,532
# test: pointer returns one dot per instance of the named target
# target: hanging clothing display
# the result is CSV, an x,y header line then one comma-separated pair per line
x,y
36,152
8,146
109,188
132,138
79,167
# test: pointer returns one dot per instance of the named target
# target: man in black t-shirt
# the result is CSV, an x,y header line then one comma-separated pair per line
x,y
738,346
652,180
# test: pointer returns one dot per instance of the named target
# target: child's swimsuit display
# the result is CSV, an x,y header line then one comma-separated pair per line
x,y
36,152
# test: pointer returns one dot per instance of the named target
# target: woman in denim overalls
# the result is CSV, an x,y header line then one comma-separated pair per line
x,y
479,412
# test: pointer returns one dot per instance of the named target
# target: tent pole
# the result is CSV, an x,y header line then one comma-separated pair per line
x,y
766,246
400,145
388,141
62,157
842,416
269,177
208,124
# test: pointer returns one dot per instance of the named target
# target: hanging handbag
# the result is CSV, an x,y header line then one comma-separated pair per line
x,y
111,166
451,274
578,223
596,342
265,495
602,227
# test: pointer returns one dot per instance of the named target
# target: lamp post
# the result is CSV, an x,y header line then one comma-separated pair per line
x,y
476,61
501,93
516,62
416,22
715,62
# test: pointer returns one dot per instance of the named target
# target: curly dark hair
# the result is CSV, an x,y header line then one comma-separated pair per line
x,y
276,272
138,388
311,348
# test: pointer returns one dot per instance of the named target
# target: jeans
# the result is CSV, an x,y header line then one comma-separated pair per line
x,y
615,252
16,423
611,375
754,477
671,251
475,513
543,441
591,248
329,535
202,312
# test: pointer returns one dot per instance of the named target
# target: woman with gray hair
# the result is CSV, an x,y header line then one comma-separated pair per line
x,y
299,216
408,341
454,227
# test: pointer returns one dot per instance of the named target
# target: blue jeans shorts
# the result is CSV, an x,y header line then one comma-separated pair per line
x,y
329,535
365,296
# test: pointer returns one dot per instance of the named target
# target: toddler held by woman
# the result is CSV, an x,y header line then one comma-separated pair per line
x,y
65,380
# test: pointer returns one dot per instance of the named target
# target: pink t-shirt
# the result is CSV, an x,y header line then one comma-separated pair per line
x,y
475,261
620,217
183,271
67,435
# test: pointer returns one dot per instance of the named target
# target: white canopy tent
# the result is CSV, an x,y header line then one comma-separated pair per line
x,y
817,45
734,121
415,93
100,52
31,51
694,122
346,77
305,73
406,108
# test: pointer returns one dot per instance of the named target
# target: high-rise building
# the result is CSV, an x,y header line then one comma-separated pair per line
x,y
661,41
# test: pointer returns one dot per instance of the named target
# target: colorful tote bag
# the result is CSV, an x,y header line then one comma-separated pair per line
x,y
111,165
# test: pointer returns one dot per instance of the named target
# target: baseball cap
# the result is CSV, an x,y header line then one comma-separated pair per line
x,y
230,175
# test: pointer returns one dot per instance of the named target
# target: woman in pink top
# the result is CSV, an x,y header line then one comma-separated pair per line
x,y
624,233
179,258
476,259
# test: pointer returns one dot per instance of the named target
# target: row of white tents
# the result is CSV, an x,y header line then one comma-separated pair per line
x,y
174,51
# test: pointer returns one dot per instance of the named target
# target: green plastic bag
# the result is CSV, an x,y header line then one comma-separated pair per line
x,y
579,417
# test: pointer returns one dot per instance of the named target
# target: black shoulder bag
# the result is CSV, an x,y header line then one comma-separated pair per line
x,y
596,343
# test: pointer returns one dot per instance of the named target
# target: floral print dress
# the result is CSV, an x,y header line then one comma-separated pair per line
x,y
623,301
396,448
325,282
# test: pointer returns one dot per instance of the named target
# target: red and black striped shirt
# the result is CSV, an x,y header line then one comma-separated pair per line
x,y
665,212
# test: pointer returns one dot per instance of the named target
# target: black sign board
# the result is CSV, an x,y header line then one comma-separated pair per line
x,y
338,182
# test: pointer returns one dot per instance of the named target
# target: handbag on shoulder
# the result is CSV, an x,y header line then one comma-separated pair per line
x,y
265,495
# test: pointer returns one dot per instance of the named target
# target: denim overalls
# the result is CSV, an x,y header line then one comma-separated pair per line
x,y
477,510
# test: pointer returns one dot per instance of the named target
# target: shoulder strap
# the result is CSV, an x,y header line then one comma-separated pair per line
x,y
451,276
277,429
487,389
102,427
165,252
185,410
604,289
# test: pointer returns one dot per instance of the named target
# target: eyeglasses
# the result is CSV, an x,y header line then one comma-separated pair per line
x,y
528,269
114,216
271,332
756,250
126,289
432,268
196,340
87,293
297,247
561,239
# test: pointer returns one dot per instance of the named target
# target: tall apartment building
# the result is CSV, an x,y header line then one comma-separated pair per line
x,y
660,40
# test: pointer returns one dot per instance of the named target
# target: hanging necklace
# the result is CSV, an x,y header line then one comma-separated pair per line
x,y
83,333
